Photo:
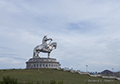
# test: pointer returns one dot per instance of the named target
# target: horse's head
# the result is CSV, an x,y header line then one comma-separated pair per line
x,y
54,44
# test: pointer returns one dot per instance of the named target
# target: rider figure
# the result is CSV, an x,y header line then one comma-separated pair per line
x,y
44,42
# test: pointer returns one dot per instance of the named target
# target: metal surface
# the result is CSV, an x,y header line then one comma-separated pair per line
x,y
44,47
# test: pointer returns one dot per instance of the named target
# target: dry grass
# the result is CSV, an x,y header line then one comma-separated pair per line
x,y
33,75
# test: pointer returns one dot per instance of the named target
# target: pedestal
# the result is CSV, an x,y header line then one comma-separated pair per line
x,y
42,63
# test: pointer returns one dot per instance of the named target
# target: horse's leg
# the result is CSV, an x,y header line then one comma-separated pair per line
x,y
48,54
38,54
34,53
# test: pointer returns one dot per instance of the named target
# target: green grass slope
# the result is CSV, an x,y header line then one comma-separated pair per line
x,y
33,75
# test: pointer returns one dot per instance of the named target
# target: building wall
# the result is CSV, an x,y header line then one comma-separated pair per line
x,y
42,63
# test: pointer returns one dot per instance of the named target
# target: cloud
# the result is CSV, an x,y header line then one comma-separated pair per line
x,y
87,32
8,63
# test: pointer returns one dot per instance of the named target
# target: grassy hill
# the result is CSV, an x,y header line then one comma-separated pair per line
x,y
33,75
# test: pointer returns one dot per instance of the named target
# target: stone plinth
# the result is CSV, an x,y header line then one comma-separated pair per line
x,y
42,63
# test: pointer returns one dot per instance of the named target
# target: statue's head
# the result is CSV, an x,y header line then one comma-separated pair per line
x,y
45,36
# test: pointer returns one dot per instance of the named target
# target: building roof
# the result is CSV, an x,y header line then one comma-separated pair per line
x,y
107,72
44,58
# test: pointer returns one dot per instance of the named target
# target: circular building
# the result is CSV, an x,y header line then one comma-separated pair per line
x,y
42,63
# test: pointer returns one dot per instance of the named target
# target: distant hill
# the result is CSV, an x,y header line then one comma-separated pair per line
x,y
34,75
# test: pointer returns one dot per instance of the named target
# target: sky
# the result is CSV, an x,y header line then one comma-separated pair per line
x,y
87,32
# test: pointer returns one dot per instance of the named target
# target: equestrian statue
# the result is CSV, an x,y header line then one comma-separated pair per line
x,y
44,47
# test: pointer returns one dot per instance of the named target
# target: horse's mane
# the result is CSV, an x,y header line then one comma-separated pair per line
x,y
53,43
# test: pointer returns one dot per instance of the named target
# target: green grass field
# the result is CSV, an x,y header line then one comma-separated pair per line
x,y
33,75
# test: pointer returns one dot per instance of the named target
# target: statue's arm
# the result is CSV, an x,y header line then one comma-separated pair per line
x,y
50,39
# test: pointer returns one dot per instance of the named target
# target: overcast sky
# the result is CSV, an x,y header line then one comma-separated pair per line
x,y
87,32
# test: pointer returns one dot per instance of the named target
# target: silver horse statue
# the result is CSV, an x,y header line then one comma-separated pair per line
x,y
44,47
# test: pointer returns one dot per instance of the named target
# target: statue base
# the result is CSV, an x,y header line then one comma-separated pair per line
x,y
42,63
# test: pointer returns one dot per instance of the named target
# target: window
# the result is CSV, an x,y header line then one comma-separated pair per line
x,y
40,65
43,65
37,65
